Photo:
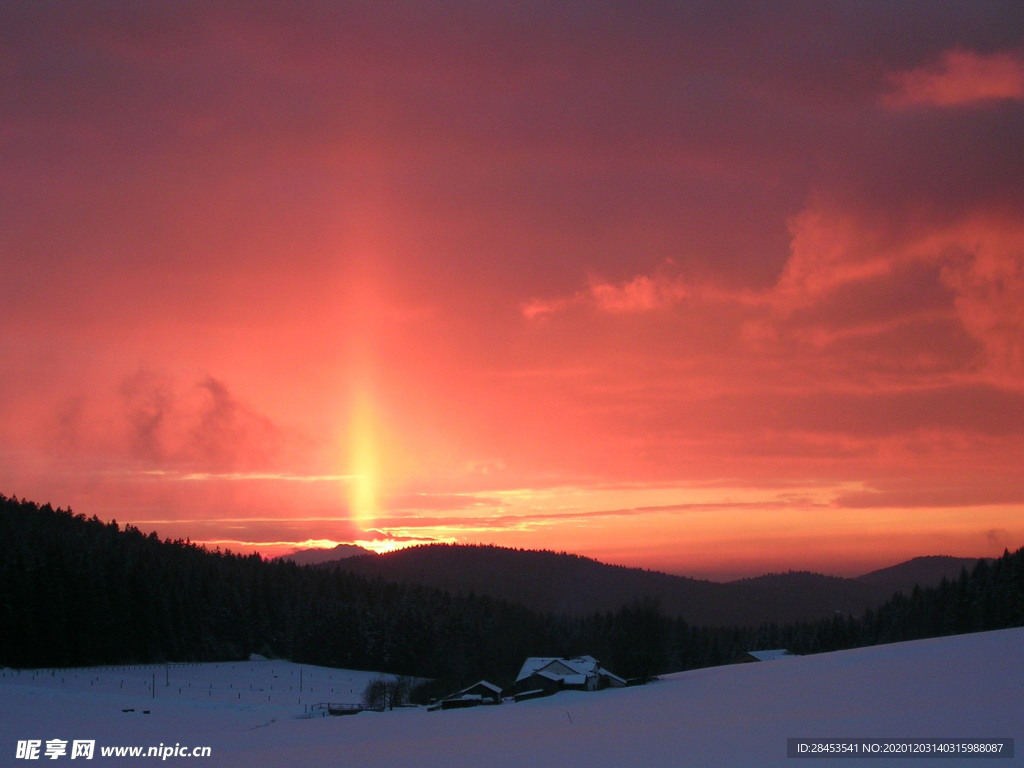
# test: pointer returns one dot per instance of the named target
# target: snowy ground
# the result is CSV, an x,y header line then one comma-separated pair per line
x,y
251,713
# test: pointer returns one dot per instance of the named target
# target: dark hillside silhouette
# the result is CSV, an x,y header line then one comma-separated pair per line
x,y
578,586
317,556
77,591
925,571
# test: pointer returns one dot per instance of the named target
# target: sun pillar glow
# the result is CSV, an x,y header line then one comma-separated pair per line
x,y
364,457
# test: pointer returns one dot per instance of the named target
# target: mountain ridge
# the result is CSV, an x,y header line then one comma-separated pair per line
x,y
318,555
578,585
924,570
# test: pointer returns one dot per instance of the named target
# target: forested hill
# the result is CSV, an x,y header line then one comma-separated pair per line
x,y
578,586
925,571
78,591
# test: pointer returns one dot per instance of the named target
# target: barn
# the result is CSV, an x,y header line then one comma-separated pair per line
x,y
540,676
479,693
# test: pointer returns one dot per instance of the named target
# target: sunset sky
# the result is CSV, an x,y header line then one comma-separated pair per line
x,y
713,288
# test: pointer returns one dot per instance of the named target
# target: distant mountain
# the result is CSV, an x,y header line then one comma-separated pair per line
x,y
542,580
319,556
921,571
573,585
578,586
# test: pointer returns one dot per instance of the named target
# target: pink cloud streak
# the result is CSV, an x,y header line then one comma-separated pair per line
x,y
960,77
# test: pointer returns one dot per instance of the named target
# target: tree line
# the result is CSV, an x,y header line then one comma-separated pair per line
x,y
77,591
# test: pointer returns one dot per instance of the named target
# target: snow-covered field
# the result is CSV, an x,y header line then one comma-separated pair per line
x,y
252,713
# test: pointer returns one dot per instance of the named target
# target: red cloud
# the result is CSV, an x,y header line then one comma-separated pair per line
x,y
860,276
960,77
663,289
642,293
828,250
989,286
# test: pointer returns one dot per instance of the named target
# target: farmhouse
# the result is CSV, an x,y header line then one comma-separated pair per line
x,y
542,676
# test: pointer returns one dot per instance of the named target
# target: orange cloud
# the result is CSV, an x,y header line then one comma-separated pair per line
x,y
642,293
988,280
960,77
828,249
854,277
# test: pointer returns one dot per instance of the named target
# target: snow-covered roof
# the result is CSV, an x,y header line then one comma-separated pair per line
x,y
558,667
574,671
780,653
464,693
485,684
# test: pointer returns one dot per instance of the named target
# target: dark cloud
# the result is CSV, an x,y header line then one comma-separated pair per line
x,y
202,428
231,435
148,406
998,537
